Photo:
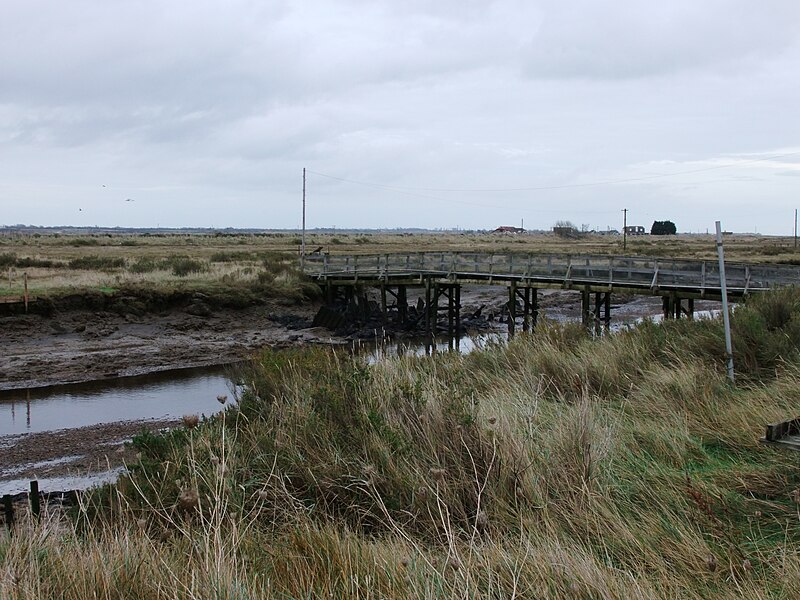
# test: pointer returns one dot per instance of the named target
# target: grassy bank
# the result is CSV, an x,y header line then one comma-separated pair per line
x,y
559,466
58,264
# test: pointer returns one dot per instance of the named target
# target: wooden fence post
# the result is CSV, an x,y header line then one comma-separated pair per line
x,y
8,509
36,507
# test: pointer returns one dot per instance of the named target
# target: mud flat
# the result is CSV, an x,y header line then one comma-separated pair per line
x,y
81,345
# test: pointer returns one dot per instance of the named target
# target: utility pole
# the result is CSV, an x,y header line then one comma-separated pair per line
x,y
795,229
624,229
303,236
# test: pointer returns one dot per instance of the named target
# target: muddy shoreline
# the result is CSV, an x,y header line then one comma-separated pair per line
x,y
80,345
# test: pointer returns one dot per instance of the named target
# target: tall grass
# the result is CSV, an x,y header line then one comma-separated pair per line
x,y
559,466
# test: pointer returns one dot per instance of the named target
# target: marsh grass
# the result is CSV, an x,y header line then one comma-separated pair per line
x,y
558,466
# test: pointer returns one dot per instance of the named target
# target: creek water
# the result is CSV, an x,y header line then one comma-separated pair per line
x,y
164,395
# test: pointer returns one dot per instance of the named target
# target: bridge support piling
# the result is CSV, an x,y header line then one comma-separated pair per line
x,y
586,310
458,316
512,309
330,293
526,309
674,308
602,312
402,305
668,306
430,312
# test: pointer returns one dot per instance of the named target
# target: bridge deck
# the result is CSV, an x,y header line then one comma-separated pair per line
x,y
639,275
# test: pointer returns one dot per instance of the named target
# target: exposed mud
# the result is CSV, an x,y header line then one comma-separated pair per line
x,y
82,345
81,450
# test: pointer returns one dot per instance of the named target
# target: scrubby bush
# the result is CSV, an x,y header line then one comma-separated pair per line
x,y
96,263
182,266
144,265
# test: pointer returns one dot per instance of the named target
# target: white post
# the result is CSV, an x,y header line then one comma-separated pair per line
x,y
303,237
726,318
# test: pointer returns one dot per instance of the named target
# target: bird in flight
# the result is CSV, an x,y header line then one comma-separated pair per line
x,y
128,199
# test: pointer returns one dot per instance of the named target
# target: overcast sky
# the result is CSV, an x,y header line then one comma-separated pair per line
x,y
465,113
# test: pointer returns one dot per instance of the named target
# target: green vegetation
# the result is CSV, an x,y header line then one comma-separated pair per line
x,y
100,263
558,466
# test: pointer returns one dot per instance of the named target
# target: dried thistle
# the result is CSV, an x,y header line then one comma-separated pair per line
x,y
370,473
438,474
190,421
222,398
711,563
188,499
492,420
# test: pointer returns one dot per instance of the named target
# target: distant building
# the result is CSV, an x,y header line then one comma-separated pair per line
x,y
566,231
635,230
507,229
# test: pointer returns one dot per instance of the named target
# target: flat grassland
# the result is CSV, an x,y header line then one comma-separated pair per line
x,y
62,264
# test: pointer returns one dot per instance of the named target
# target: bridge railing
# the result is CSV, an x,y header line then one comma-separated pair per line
x,y
552,268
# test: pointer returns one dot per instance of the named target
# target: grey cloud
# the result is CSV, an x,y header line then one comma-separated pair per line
x,y
634,39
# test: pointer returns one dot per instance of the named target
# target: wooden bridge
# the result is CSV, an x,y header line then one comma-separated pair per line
x,y
441,274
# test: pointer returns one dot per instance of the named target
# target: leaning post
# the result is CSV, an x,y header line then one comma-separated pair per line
x,y
726,318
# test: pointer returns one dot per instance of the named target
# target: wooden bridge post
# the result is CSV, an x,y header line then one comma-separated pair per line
x,y
602,311
666,306
512,308
384,310
690,308
402,305
429,311
586,313
458,316
526,309
330,293
451,314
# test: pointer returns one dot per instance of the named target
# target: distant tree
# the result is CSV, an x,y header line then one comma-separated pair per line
x,y
663,228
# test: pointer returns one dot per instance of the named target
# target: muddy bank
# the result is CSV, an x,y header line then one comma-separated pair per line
x,y
82,345
81,450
